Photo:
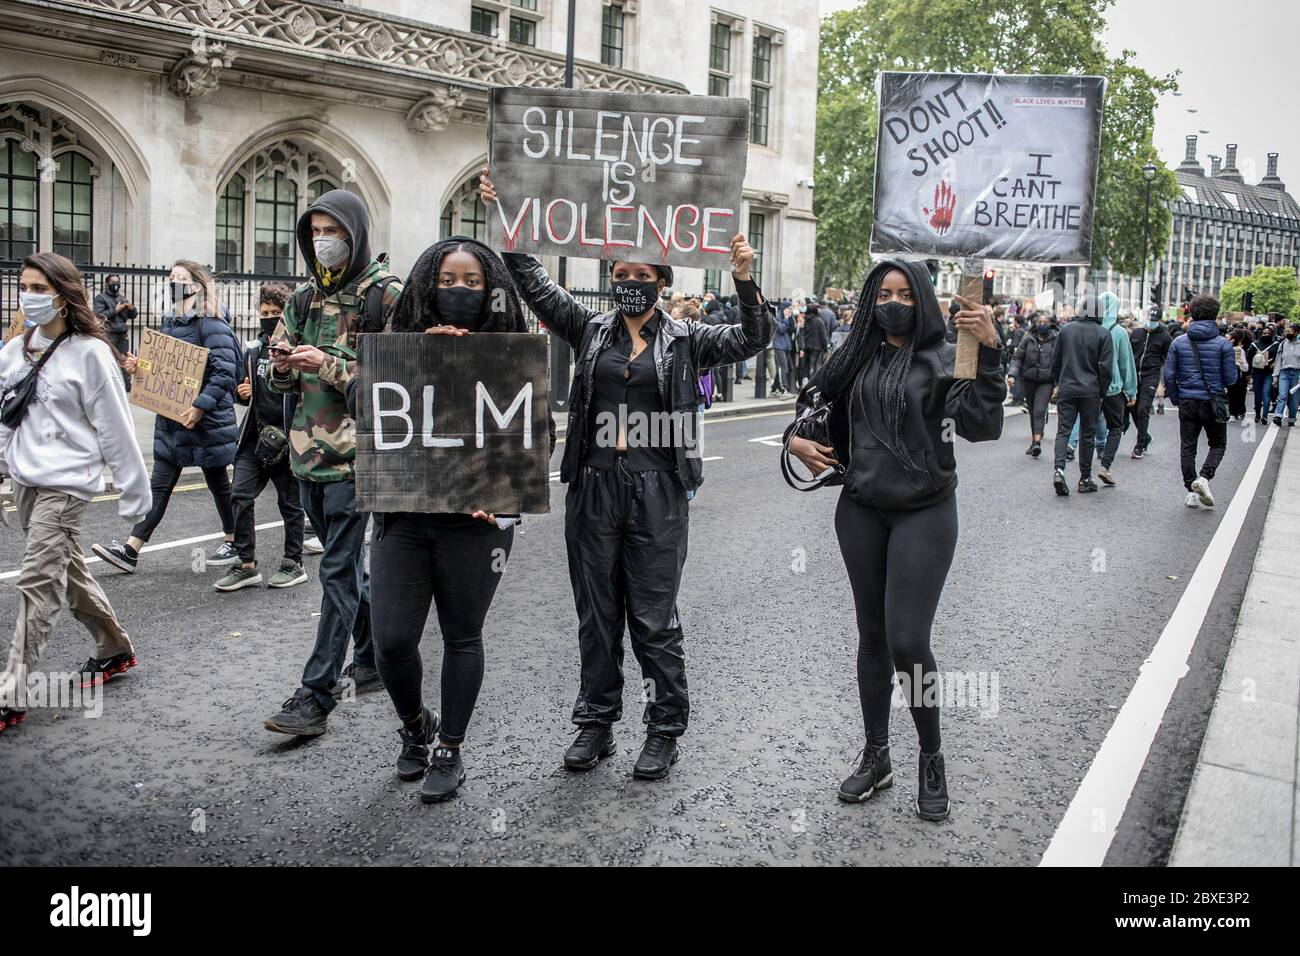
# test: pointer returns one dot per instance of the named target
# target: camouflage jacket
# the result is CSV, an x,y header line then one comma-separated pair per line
x,y
322,438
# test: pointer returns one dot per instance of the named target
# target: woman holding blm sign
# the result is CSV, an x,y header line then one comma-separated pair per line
x,y
879,417
632,462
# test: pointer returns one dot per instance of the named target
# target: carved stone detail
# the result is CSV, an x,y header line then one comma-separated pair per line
x,y
434,112
198,74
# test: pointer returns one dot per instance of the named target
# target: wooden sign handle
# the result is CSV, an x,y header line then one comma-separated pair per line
x,y
968,346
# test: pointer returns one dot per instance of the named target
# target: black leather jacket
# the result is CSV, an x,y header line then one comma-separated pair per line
x,y
681,350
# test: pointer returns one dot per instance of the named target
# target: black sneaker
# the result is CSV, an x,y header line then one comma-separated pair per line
x,y
874,773
1160,409
1138,453
932,791
224,556
98,671
446,773
121,556
595,742
1059,483
657,755
1087,486
302,716
1277,419
413,761
363,677
1036,450
1069,454
1030,449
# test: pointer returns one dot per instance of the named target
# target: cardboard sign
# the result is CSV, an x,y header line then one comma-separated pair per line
x,y
453,424
168,374
15,325
638,177
1000,167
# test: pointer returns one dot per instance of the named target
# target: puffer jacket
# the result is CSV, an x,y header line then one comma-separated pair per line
x,y
681,351
1032,361
1183,379
210,443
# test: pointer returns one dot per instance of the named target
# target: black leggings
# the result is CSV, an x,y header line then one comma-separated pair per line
x,y
163,481
416,559
897,563
1038,397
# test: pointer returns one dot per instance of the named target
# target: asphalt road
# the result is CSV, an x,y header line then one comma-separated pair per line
x,y
1060,600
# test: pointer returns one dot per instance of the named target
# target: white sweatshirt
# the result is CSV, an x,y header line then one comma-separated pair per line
x,y
77,422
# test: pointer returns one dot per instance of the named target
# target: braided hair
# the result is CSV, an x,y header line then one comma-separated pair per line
x,y
843,370
417,306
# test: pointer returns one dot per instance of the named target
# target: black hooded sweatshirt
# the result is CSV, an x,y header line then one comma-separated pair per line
x,y
936,405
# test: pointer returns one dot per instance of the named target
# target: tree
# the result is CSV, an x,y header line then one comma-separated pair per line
x,y
966,36
1275,289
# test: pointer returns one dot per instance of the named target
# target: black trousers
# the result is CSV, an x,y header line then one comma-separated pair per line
x,y
1085,410
626,535
251,477
1237,394
1113,408
1194,416
417,560
1038,399
1147,385
785,370
897,563
162,482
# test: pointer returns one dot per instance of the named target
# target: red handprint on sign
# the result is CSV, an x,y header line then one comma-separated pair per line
x,y
945,200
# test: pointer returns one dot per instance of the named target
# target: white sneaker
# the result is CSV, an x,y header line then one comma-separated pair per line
x,y
313,546
1202,489
1192,501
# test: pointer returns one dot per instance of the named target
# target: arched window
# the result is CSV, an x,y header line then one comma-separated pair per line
x,y
464,214
276,215
230,226
18,201
318,188
73,208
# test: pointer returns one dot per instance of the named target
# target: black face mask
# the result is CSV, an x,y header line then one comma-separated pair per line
x,y
112,288
268,325
460,306
895,317
180,290
633,297
1043,330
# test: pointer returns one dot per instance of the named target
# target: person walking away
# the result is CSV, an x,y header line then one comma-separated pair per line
x,y
262,455
1150,346
1262,354
75,423
1031,370
1081,370
1121,394
816,339
313,355
116,312
1200,367
1241,340
1288,376
205,437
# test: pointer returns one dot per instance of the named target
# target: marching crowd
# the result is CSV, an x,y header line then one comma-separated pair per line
x,y
877,391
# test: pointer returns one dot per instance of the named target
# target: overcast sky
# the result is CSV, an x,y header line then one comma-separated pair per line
x,y
1240,73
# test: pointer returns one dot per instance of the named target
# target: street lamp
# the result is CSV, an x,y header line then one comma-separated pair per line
x,y
1149,174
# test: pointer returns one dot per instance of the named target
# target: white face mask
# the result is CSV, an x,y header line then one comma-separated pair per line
x,y
38,308
330,252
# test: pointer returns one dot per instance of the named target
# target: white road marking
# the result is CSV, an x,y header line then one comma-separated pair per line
x,y
714,458
1088,827
772,440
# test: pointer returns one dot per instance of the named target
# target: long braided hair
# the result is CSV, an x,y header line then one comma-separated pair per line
x,y
417,306
843,373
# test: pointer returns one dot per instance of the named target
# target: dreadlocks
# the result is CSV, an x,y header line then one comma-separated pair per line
x,y
417,307
845,366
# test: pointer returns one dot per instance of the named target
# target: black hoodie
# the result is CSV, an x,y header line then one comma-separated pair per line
x,y
1081,364
937,405
349,212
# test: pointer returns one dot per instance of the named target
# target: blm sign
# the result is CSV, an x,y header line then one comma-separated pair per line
x,y
168,374
999,167
453,424
646,177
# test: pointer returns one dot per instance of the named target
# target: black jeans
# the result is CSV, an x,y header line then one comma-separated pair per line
x,y
1086,410
1194,416
163,481
251,477
897,563
418,559
1146,397
626,533
785,371
1113,407
345,604
1038,399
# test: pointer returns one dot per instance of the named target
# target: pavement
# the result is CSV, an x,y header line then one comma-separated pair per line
x,y
1244,805
1051,610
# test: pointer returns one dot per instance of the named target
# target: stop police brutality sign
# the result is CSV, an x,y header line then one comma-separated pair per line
x,y
1000,167
640,177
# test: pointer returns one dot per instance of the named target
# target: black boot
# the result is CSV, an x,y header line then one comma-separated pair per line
x,y
413,761
595,742
874,773
932,790
301,716
657,755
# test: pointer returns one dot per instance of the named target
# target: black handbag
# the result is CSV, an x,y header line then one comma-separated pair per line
x,y
14,402
1219,399
813,424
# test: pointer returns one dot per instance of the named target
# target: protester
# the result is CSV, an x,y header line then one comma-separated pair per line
x,y
116,311
1199,368
843,328
1149,345
627,511
1121,393
1241,340
75,424
1031,370
1288,376
262,455
205,438
458,286
816,339
313,356
1081,370
893,402
782,348
1262,354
